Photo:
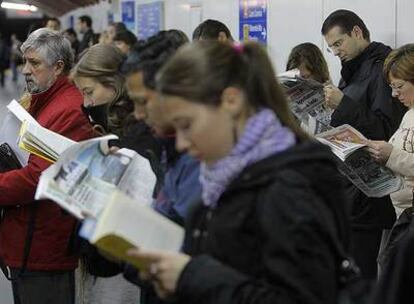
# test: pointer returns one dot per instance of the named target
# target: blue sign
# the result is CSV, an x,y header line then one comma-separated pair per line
x,y
150,17
128,14
253,20
110,17
71,21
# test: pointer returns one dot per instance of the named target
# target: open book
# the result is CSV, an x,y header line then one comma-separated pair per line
x,y
307,101
373,179
86,175
42,142
126,224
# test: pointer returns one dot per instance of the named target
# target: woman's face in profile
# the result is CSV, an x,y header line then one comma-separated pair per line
x,y
94,93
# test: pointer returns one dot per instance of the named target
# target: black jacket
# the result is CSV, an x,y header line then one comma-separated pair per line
x,y
271,237
86,42
368,106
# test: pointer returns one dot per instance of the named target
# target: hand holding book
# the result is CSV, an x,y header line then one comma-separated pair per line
x,y
163,269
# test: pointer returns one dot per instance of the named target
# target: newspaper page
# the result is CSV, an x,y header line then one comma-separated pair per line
x,y
10,128
86,175
373,179
307,101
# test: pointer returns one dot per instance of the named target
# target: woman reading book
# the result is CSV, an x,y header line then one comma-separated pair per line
x,y
272,209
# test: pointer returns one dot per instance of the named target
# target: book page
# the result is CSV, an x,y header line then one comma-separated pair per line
x,y
126,223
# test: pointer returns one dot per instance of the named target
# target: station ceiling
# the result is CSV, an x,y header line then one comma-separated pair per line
x,y
60,7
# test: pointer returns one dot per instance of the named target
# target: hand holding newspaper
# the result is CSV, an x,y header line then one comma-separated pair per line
x,y
115,191
373,179
86,175
9,131
307,101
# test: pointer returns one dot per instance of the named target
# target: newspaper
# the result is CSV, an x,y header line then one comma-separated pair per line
x,y
307,101
356,163
86,175
9,131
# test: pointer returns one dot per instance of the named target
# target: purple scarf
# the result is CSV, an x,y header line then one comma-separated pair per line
x,y
263,136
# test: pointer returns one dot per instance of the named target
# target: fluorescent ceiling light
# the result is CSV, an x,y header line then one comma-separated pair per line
x,y
18,6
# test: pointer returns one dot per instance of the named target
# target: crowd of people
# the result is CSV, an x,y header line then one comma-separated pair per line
x,y
268,216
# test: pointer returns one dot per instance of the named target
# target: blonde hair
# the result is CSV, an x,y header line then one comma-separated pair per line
x,y
102,62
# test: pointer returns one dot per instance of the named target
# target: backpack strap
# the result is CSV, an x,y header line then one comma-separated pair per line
x,y
27,246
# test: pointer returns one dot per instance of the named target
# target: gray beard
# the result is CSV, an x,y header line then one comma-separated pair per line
x,y
33,88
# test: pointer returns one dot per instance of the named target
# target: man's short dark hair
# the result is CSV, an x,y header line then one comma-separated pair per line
x,y
346,20
126,36
210,30
53,19
86,19
150,55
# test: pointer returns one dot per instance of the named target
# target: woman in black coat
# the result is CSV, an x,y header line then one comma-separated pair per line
x,y
272,217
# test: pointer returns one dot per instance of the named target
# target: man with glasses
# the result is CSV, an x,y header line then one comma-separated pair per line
x,y
363,100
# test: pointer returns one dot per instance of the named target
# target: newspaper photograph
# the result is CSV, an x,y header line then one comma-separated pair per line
x,y
354,161
86,175
307,102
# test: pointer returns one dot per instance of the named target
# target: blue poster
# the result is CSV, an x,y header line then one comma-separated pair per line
x,y
128,14
253,20
150,18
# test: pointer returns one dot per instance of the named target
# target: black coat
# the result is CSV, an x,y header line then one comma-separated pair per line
x,y
368,106
271,237
87,41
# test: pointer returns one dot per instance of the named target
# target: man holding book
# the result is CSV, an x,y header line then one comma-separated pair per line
x,y
35,235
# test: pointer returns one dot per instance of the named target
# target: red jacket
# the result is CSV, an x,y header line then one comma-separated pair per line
x,y
59,110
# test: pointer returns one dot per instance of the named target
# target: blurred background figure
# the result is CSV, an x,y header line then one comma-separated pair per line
x,y
309,60
71,35
16,57
53,24
115,28
85,27
104,38
4,59
212,30
124,41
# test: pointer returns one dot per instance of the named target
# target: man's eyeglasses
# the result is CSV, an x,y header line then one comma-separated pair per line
x,y
335,46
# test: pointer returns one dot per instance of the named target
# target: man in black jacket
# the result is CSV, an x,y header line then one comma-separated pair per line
x,y
363,100
85,28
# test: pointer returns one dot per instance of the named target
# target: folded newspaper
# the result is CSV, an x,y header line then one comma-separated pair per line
x,y
307,101
373,179
86,175
112,193
42,142
10,129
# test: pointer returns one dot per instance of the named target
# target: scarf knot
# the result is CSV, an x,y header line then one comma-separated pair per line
x,y
262,137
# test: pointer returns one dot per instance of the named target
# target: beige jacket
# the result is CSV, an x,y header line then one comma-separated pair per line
x,y
401,161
